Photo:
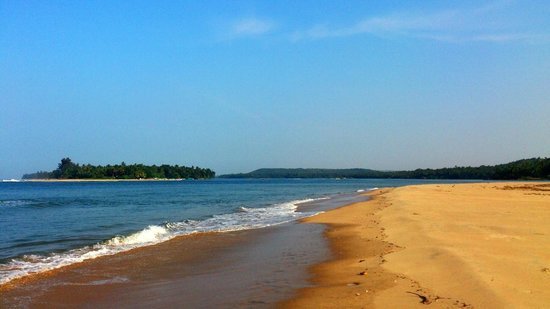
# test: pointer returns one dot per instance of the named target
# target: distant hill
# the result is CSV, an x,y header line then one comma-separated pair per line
x,y
70,170
527,169
308,173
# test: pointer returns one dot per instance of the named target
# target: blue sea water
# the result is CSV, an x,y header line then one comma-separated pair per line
x,y
46,225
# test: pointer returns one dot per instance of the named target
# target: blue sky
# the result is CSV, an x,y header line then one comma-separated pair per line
x,y
240,85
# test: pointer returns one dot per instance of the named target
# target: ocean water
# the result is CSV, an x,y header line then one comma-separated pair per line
x,y
49,225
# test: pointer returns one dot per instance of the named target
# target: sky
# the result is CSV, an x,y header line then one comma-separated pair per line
x,y
240,85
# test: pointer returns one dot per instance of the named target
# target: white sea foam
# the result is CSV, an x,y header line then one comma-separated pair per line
x,y
14,203
245,218
363,190
151,234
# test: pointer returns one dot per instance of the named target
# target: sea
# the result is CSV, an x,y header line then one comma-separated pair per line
x,y
48,225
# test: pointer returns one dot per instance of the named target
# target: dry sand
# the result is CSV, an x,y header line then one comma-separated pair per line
x,y
481,245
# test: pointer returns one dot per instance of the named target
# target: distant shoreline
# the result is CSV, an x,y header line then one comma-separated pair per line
x,y
102,180
525,169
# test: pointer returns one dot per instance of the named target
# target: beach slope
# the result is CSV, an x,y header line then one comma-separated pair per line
x,y
483,245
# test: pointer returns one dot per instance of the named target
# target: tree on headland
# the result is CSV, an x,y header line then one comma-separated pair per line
x,y
65,169
70,170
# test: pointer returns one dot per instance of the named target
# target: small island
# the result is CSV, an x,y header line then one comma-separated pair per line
x,y
68,170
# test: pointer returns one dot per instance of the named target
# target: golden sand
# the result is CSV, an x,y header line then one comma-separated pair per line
x,y
481,245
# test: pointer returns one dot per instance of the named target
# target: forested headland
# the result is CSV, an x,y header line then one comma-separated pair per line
x,y
527,169
70,170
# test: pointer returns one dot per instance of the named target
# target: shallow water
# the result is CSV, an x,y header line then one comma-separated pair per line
x,y
49,225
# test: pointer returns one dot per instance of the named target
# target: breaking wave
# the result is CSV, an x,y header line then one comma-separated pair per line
x,y
244,218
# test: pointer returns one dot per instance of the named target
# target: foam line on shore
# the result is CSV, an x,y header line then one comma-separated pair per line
x,y
244,219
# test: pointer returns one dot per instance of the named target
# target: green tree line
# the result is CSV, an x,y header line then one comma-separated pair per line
x,y
70,170
534,168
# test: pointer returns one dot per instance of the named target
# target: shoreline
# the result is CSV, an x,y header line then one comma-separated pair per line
x,y
101,180
307,207
452,246
255,267
250,268
356,242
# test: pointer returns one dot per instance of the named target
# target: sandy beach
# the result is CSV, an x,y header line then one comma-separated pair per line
x,y
484,245
481,245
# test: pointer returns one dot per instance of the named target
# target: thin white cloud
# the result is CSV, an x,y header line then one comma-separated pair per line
x,y
396,23
507,37
251,27
475,24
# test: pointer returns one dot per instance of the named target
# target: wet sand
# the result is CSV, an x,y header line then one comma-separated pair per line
x,y
253,268
481,245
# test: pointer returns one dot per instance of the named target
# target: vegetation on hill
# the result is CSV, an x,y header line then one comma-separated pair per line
x,y
69,170
535,168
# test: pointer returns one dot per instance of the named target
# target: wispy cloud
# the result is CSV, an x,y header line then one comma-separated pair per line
x,y
251,27
391,24
459,25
